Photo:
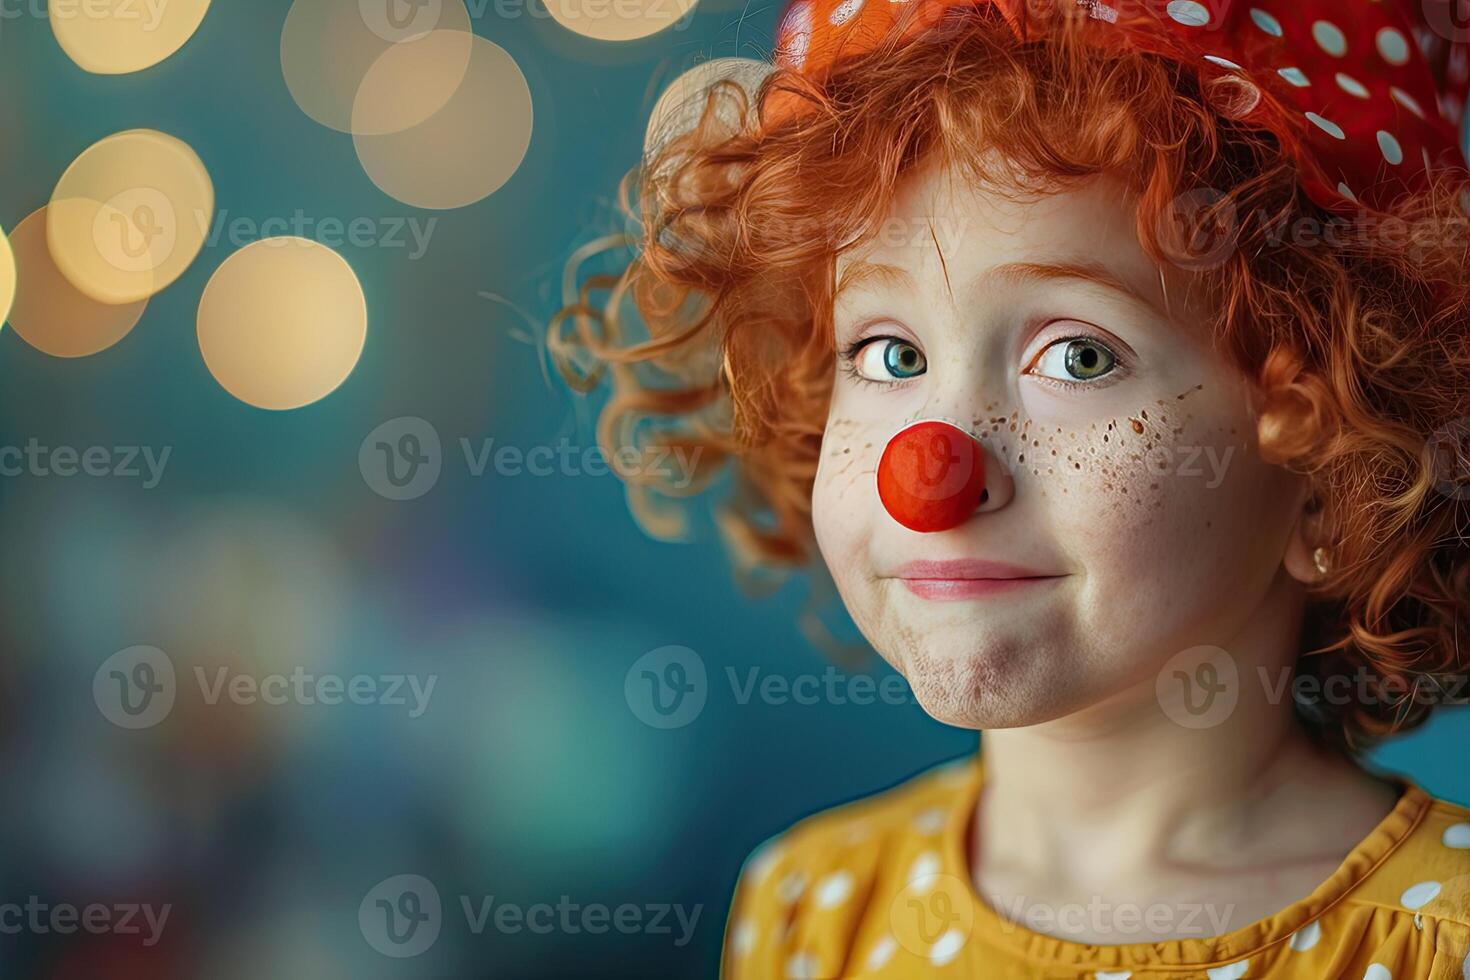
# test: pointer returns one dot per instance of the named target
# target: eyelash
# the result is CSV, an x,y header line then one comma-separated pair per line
x,y
1122,366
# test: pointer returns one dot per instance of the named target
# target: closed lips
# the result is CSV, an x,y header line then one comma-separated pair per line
x,y
967,569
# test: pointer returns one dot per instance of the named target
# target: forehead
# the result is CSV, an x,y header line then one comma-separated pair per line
x,y
944,228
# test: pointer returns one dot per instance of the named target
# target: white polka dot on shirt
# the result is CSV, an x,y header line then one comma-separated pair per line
x,y
1327,126
1231,971
1457,836
1419,895
1351,85
1329,38
1295,76
1223,62
929,821
742,938
1393,46
1377,971
790,887
1392,151
834,889
1188,12
1109,975
803,966
947,947
1308,935
1406,100
926,865
1266,22
880,954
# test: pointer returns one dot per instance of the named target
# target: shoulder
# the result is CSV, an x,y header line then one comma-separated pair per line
x,y
918,806
1434,863
810,891
1428,874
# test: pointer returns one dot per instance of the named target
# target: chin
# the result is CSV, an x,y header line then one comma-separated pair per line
x,y
1010,686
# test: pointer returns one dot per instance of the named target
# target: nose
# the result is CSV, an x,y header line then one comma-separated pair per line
x,y
932,476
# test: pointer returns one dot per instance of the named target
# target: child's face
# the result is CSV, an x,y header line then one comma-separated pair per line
x,y
1121,451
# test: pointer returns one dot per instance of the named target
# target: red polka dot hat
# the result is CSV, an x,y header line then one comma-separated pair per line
x,y
1367,95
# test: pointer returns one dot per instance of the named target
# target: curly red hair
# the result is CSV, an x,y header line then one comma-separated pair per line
x,y
1357,339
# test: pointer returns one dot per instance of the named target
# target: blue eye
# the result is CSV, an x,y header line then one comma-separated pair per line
x,y
888,358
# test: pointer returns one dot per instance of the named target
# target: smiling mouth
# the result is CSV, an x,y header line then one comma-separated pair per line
x,y
948,589
969,579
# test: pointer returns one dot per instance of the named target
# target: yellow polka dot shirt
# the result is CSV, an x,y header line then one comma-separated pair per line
x,y
881,888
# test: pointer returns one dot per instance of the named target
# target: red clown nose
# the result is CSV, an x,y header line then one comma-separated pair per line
x,y
931,476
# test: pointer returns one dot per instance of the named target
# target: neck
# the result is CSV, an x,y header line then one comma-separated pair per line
x,y
1124,786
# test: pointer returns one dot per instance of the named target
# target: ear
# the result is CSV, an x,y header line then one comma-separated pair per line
x,y
1305,538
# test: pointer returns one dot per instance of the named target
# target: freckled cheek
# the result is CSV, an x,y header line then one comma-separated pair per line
x,y
1103,515
1168,505
844,492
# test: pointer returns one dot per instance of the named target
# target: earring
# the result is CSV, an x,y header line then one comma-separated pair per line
x,y
1322,558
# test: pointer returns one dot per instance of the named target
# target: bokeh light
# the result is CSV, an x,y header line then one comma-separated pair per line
x,y
617,20
328,46
115,37
679,108
7,277
51,314
130,215
282,323
465,151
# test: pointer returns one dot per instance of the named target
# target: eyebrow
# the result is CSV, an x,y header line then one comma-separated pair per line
x,y
860,271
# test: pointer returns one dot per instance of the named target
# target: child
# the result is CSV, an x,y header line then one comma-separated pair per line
x,y
1114,358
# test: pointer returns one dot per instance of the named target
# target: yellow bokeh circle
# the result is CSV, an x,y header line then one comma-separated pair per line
x,y
617,20
51,314
115,37
466,150
130,215
327,47
282,323
681,106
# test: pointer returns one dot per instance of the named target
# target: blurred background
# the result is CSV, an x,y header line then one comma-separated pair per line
x,y
325,635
